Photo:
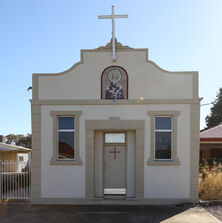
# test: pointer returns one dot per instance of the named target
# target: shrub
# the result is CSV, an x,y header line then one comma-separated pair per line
x,y
210,181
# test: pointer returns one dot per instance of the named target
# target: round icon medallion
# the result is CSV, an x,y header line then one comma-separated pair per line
x,y
115,76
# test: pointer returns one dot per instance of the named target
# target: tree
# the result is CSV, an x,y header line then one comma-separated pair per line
x,y
215,117
19,140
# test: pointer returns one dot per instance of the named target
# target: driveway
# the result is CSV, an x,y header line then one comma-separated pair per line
x,y
12,212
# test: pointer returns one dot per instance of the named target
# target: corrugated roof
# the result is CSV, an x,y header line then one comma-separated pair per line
x,y
8,147
215,132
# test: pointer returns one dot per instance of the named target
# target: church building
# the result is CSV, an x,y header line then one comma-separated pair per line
x,y
115,128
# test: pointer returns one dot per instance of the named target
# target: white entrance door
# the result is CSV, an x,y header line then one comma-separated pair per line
x,y
114,169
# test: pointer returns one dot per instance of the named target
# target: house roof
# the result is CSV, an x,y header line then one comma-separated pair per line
x,y
212,135
8,147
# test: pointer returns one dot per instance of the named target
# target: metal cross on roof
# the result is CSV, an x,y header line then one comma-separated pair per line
x,y
113,17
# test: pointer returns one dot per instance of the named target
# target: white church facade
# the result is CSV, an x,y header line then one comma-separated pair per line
x,y
115,129
122,131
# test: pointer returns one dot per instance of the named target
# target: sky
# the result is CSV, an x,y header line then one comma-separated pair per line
x,y
45,36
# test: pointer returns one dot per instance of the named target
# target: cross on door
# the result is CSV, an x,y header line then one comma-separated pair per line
x,y
114,152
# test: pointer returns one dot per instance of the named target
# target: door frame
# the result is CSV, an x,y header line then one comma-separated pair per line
x,y
114,144
117,124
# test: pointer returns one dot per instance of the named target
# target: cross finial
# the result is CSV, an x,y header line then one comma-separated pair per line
x,y
113,17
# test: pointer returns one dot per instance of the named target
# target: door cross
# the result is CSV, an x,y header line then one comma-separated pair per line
x,y
114,152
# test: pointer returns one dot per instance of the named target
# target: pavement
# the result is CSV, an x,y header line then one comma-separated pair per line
x,y
215,210
14,212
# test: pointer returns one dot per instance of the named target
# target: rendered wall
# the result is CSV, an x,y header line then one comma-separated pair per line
x,y
79,89
145,79
159,181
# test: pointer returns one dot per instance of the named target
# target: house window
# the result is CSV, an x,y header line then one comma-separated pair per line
x,y
65,138
21,158
163,138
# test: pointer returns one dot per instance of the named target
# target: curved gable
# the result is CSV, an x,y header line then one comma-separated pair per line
x,y
83,80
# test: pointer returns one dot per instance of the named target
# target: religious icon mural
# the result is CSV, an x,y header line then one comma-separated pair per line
x,y
114,83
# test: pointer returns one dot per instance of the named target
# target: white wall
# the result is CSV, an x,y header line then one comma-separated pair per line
x,y
22,164
98,164
131,164
69,181
145,79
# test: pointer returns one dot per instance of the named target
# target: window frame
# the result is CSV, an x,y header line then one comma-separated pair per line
x,y
55,159
174,159
163,130
66,130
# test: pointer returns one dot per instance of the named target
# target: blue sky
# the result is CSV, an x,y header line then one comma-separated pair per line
x,y
40,36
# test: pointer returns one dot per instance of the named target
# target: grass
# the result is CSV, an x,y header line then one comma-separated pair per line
x,y
210,181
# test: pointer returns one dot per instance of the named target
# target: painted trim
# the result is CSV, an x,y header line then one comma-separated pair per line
x,y
114,125
174,159
210,140
36,153
194,151
55,160
163,162
117,102
212,145
35,87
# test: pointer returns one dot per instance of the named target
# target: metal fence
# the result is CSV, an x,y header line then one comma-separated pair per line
x,y
15,180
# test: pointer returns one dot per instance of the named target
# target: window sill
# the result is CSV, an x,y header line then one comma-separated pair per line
x,y
77,161
163,162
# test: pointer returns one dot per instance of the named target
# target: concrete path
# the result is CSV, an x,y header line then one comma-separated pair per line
x,y
12,212
193,215
215,210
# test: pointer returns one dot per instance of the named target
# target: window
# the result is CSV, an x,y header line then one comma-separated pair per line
x,y
21,158
163,138
114,137
65,138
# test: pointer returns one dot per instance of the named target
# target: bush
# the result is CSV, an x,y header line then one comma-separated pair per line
x,y
210,181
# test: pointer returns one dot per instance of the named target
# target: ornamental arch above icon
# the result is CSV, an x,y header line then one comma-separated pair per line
x,y
114,83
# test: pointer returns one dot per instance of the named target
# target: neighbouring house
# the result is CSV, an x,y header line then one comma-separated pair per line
x,y
18,155
211,143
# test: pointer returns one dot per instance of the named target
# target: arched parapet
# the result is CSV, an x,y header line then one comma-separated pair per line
x,y
81,84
